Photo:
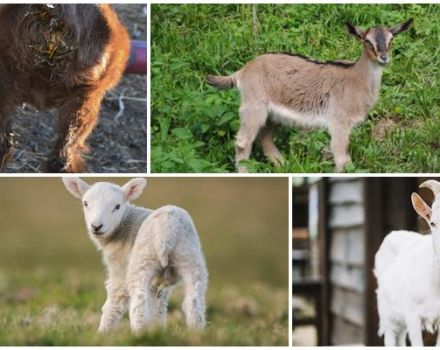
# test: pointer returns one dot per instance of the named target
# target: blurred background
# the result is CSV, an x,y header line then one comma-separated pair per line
x,y
338,225
51,276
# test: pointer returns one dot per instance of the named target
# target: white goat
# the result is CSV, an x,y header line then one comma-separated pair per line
x,y
146,253
407,268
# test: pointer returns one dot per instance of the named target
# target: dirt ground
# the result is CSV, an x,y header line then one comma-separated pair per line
x,y
119,142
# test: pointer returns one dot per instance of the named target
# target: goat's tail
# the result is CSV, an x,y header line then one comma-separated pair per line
x,y
222,82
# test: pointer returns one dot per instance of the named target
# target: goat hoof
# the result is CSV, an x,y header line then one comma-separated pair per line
x,y
54,165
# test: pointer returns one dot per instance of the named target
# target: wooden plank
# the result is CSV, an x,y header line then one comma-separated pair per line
x,y
348,246
324,241
374,233
344,332
346,192
347,215
352,278
348,305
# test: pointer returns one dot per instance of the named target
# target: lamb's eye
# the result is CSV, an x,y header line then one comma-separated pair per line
x,y
117,207
85,204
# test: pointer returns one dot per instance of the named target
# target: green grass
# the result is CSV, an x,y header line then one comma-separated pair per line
x,y
52,279
194,125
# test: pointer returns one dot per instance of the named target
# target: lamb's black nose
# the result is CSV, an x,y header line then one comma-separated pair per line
x,y
96,228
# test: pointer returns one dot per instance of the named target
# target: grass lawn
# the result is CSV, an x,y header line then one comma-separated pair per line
x,y
194,125
52,279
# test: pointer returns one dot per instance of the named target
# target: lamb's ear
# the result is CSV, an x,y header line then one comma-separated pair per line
x,y
133,188
76,186
355,31
421,207
402,27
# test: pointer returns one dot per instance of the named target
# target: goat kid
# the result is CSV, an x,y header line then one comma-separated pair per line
x,y
64,57
407,268
294,90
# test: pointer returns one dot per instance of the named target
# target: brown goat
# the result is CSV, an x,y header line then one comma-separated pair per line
x,y
289,89
64,57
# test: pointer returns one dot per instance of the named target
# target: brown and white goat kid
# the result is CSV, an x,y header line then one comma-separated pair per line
x,y
64,57
291,89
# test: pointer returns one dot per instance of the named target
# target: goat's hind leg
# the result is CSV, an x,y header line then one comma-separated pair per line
x,y
77,120
267,143
252,119
415,332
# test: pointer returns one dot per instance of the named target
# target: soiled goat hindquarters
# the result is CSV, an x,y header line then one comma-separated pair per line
x,y
63,57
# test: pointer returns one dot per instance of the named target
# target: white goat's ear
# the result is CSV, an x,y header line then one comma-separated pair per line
x,y
421,207
133,188
76,186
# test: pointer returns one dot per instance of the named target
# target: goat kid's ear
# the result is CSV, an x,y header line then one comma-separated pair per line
x,y
355,31
421,207
402,27
76,186
133,188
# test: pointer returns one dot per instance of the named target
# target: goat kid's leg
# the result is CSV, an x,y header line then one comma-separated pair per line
x,y
340,138
415,332
77,120
195,282
401,338
114,308
270,150
252,119
390,338
142,296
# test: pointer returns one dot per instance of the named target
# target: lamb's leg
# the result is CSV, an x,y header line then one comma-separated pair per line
x,y
269,148
142,295
415,332
195,281
340,138
76,121
114,307
252,119
162,306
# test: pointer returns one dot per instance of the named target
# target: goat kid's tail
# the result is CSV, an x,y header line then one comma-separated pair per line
x,y
222,82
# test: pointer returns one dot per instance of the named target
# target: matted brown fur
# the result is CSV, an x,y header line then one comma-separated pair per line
x,y
64,57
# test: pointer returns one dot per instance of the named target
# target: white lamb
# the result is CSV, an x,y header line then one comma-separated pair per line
x,y
146,253
407,268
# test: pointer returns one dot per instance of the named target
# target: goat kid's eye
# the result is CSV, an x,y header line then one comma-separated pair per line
x,y
118,206
433,225
85,204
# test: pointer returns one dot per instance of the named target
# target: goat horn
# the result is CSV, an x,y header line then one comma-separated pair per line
x,y
433,185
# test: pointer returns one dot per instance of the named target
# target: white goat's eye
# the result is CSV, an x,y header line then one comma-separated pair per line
x,y
85,204
117,207
433,224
